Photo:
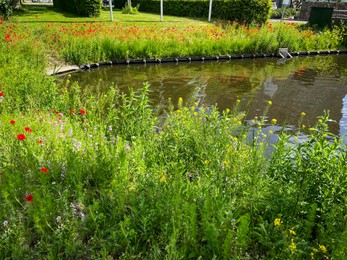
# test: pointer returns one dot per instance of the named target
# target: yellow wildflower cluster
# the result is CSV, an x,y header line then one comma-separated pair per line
x,y
277,222
292,245
323,249
292,232
273,121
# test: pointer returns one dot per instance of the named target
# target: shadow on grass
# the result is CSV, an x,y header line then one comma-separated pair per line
x,y
34,10
48,13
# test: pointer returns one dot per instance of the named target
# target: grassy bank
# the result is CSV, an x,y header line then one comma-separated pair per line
x,y
83,40
85,175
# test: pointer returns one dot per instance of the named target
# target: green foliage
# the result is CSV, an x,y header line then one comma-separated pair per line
x,y
5,9
110,178
130,10
88,8
121,181
249,10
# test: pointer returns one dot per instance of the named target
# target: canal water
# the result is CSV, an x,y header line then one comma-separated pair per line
x,y
311,84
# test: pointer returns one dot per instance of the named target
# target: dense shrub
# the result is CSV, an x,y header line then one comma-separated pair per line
x,y
80,7
5,9
257,10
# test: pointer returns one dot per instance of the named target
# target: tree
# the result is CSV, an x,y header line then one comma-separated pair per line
x,y
16,4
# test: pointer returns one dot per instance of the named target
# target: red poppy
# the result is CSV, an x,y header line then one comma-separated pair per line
x,y
82,112
43,169
1,94
244,21
12,122
28,129
39,141
29,198
21,137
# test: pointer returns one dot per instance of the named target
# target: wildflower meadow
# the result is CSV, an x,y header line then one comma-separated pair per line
x,y
104,175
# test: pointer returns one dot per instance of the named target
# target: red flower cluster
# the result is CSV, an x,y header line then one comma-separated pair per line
x,y
82,112
28,129
21,137
44,170
29,198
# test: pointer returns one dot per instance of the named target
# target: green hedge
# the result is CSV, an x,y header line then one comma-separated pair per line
x,y
257,10
80,7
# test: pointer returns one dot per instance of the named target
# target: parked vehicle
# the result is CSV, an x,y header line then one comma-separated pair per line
x,y
107,2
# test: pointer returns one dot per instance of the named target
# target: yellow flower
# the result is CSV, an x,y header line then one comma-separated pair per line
x,y
178,111
69,75
320,121
303,126
162,178
323,249
238,101
292,246
292,232
271,132
277,222
269,102
273,121
303,113
180,100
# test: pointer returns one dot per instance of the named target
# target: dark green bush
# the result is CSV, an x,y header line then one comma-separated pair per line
x,y
257,10
5,9
80,7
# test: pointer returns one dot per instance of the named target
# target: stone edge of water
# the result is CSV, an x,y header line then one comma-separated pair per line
x,y
74,68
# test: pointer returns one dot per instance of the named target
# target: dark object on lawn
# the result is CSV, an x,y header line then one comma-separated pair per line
x,y
321,16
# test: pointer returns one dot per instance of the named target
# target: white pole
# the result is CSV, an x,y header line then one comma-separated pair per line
x,y
161,10
111,14
210,11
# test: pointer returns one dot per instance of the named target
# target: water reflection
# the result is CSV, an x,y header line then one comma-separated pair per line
x,y
301,84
